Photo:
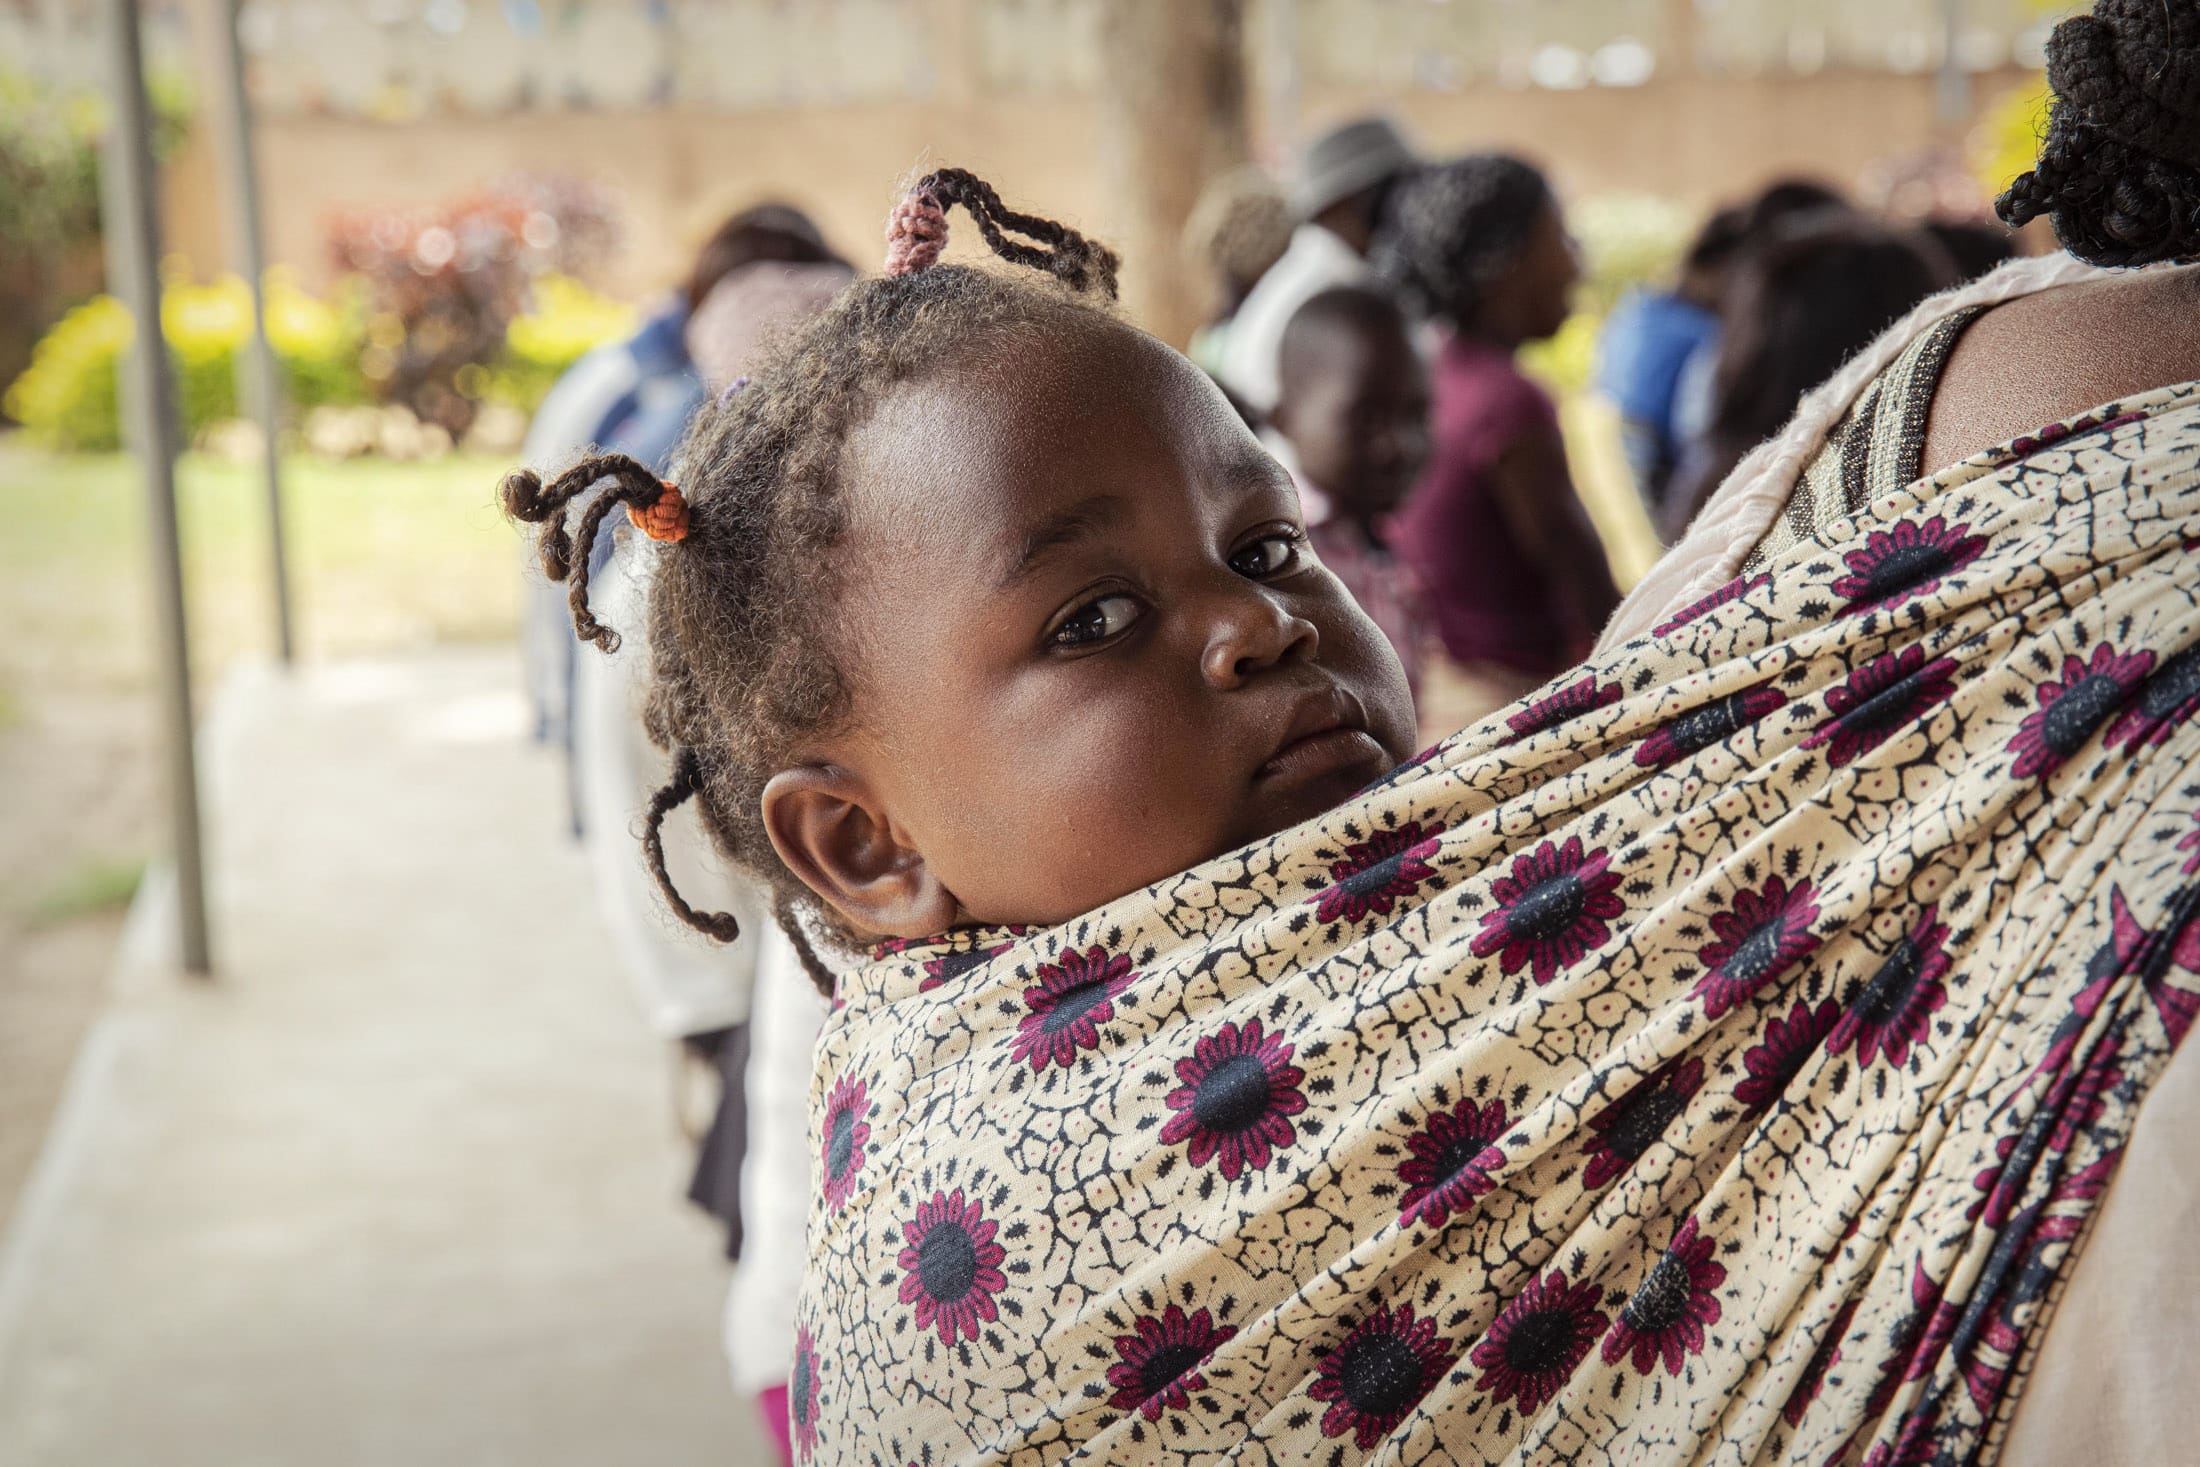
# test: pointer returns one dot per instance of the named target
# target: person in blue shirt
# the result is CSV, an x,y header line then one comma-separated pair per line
x,y
635,397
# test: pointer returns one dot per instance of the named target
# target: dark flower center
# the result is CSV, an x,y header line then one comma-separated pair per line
x,y
840,1145
1073,1004
2176,682
1662,1301
1458,1155
1380,1374
1642,1119
947,1263
798,1389
1886,708
1541,1342
1890,989
1548,908
1373,880
1903,567
1706,726
1755,954
1233,1096
954,965
1165,1365
2070,720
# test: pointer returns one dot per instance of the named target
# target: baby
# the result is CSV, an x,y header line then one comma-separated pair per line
x,y
984,606
1352,410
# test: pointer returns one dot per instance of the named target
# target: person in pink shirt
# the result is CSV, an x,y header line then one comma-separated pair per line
x,y
1516,575
1352,420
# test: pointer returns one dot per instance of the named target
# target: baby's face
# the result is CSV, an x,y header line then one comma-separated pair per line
x,y
1088,645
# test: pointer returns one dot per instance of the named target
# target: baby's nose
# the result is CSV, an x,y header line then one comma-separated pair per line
x,y
1253,632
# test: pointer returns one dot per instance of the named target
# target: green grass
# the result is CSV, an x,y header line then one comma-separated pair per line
x,y
383,556
95,884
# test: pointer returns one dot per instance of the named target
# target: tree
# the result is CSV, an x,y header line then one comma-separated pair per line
x,y
1173,116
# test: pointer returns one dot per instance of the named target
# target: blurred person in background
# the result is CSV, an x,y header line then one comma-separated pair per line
x,y
1351,424
747,1013
636,395
1515,573
1975,247
1762,216
1345,182
1237,231
1817,290
1647,341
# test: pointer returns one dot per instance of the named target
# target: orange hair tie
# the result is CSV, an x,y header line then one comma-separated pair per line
x,y
666,518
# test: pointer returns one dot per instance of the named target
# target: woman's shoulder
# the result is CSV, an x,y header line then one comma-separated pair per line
x,y
2049,356
1482,389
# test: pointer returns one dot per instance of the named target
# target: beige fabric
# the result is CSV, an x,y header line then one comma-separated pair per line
x,y
2117,1379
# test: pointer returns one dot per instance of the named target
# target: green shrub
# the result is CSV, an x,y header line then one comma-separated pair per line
x,y
68,398
565,320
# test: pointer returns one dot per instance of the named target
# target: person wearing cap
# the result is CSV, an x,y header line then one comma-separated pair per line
x,y
1343,182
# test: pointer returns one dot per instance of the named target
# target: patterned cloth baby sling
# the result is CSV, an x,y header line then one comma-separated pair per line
x,y
1717,1057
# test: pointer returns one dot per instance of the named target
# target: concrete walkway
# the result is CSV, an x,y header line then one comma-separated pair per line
x,y
401,1186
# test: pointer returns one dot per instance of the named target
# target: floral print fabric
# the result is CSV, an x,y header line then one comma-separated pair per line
x,y
1715,1058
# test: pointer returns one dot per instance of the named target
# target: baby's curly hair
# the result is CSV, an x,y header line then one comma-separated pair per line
x,y
2119,170
741,612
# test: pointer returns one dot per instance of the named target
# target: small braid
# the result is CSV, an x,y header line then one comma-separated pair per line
x,y
744,665
527,498
686,780
918,233
2119,169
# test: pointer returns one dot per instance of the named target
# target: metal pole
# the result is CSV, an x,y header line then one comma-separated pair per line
x,y
259,379
1952,85
132,234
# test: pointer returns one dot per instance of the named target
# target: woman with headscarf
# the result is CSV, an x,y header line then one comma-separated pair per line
x,y
1515,573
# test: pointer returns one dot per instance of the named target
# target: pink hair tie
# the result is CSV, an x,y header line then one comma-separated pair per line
x,y
916,234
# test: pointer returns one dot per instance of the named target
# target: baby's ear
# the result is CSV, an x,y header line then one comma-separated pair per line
x,y
832,832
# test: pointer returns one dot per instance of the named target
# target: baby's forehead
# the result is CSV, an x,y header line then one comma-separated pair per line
x,y
1033,413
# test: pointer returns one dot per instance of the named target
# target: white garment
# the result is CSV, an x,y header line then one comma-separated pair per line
x,y
1316,261
785,1015
685,982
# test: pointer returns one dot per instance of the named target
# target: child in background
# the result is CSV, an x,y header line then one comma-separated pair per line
x,y
1352,417
985,607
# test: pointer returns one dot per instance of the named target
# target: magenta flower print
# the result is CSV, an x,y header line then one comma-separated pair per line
x,y
1733,590
1787,1046
951,1266
847,1135
1157,1364
1895,1007
1376,873
1910,558
1761,936
2167,699
1452,1160
1563,706
2070,710
802,1395
1538,1340
1879,700
1699,728
1666,1318
2190,841
1554,907
1636,1121
950,966
1378,1374
1074,996
1235,1098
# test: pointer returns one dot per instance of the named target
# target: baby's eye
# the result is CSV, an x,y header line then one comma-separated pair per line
x,y
1096,621
1269,554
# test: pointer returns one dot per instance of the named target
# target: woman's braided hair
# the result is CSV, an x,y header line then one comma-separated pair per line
x,y
1455,227
742,640
2119,170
